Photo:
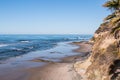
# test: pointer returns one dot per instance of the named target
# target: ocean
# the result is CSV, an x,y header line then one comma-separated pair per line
x,y
16,45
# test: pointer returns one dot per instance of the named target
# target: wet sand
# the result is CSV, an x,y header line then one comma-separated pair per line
x,y
62,70
51,70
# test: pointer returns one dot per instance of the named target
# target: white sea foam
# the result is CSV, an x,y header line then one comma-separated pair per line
x,y
18,49
2,45
24,41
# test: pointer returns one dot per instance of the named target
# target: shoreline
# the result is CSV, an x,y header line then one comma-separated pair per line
x,y
63,70
47,71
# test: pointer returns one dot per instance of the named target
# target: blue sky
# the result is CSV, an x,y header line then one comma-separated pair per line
x,y
51,16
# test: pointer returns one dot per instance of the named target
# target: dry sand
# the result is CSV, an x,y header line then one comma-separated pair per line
x,y
56,71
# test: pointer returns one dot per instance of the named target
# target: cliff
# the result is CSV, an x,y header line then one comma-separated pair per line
x,y
104,62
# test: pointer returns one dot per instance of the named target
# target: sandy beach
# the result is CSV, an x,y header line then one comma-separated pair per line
x,y
62,70
51,70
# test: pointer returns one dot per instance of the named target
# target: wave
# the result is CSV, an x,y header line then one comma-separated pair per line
x,y
3,45
24,41
11,46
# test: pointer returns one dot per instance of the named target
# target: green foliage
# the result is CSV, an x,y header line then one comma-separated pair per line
x,y
114,18
115,29
112,4
110,17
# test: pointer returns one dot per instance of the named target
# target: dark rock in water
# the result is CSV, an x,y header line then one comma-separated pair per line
x,y
43,60
56,52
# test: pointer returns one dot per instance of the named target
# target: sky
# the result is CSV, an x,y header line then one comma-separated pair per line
x,y
51,16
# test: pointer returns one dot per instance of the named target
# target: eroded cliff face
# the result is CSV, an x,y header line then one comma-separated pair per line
x,y
105,53
104,62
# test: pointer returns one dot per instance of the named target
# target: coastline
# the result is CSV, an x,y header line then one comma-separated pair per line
x,y
63,70
60,70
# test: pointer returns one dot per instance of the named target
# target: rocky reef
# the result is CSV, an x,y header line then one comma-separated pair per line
x,y
104,61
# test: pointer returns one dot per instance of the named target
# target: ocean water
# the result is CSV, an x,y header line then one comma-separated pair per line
x,y
16,45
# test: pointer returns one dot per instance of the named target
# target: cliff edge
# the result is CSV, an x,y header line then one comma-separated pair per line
x,y
104,61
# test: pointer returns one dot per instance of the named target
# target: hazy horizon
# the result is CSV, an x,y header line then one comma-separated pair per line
x,y
51,16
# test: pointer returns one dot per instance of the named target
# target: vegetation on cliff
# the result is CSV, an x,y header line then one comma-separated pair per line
x,y
114,18
105,58
104,62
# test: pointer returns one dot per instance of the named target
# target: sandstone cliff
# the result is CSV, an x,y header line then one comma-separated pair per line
x,y
104,62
